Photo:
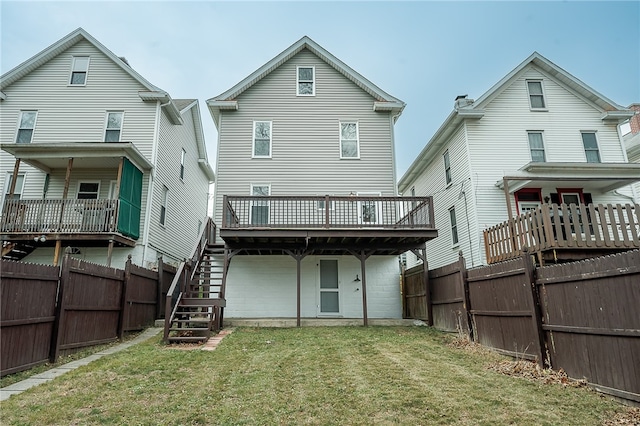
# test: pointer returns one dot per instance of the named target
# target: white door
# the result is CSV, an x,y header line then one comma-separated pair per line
x,y
329,288
369,211
259,211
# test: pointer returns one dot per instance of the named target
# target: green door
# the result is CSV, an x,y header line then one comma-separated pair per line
x,y
130,200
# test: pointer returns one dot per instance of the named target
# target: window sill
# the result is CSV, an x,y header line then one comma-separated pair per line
x,y
455,246
449,185
349,158
261,158
538,109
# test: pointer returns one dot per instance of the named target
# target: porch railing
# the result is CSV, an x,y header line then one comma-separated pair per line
x,y
329,212
59,216
554,226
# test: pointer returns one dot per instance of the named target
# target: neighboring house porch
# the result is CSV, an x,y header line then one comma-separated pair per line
x,y
566,224
75,215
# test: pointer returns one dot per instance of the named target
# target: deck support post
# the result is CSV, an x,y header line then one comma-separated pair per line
x,y
110,252
298,255
362,255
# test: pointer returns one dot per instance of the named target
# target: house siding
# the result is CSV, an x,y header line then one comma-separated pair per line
x,y
188,197
305,138
458,194
502,133
265,286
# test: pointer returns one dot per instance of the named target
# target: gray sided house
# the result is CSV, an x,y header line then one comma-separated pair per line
x,y
305,196
537,161
95,158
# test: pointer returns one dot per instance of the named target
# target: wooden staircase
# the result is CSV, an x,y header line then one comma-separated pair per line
x,y
195,300
16,250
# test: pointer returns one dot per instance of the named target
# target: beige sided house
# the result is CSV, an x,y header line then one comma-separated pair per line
x,y
306,201
536,161
96,158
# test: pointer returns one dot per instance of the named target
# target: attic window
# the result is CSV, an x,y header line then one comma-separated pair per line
x,y
79,70
536,96
306,81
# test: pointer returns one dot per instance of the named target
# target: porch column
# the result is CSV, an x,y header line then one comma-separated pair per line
x,y
12,187
65,192
512,233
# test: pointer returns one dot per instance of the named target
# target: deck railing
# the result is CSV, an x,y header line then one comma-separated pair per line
x,y
553,226
59,216
327,212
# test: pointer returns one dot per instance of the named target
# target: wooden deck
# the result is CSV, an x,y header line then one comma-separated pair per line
x,y
565,232
271,225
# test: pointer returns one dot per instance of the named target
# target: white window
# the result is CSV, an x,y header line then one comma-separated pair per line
x,y
182,156
370,210
536,146
536,96
17,191
262,139
591,150
79,70
163,206
569,198
260,208
322,203
113,127
349,144
306,81
26,126
88,190
447,167
454,226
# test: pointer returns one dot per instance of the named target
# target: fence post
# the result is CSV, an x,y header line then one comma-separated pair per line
x,y
58,323
462,267
427,290
124,306
536,312
159,287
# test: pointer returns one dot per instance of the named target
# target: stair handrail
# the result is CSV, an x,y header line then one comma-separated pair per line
x,y
207,236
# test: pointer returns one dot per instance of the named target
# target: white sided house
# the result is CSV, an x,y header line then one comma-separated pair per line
x,y
539,145
306,200
96,159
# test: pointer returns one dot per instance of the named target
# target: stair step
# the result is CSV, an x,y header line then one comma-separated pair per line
x,y
188,339
189,329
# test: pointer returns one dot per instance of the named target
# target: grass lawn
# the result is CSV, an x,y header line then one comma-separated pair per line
x,y
324,375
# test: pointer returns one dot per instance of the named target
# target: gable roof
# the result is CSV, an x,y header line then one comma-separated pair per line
x,y
227,100
152,93
611,111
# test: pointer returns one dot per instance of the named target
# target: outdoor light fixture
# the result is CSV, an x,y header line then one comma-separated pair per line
x,y
41,238
357,279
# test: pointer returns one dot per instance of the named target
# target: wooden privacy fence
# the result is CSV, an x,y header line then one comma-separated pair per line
x,y
47,310
582,317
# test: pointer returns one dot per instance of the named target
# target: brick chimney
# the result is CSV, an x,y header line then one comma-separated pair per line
x,y
635,120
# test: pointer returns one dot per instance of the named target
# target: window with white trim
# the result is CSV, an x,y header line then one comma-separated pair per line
x,y
536,95
447,167
26,127
261,139
113,127
182,156
88,190
79,70
454,226
163,205
590,144
536,147
17,191
306,84
349,144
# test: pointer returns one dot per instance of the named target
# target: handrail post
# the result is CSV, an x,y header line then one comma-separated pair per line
x,y
225,206
326,211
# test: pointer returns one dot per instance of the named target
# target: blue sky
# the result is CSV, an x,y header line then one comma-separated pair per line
x,y
422,52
